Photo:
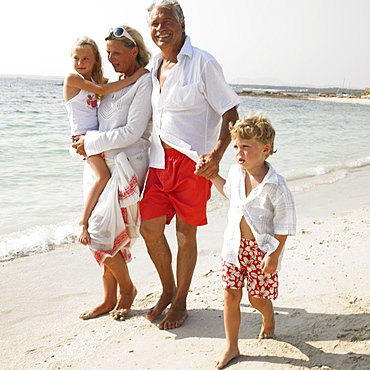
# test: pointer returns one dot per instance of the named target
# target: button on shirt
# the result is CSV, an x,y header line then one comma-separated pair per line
x,y
269,210
187,112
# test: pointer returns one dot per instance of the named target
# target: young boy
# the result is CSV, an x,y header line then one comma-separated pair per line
x,y
260,218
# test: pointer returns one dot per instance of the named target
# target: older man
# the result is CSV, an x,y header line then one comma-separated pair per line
x,y
192,108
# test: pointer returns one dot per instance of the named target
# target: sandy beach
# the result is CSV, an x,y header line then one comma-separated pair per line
x,y
322,313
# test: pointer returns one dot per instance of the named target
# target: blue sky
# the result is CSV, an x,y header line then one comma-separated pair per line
x,y
307,42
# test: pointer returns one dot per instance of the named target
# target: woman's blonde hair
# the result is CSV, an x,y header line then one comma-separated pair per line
x,y
97,72
254,126
143,55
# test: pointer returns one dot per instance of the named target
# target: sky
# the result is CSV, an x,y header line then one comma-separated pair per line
x,y
297,42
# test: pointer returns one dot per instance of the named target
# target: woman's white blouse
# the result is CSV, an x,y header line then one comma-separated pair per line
x,y
269,210
124,121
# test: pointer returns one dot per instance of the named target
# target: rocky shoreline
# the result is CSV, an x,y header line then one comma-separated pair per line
x,y
280,95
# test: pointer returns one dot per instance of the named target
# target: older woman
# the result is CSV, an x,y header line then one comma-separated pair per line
x,y
123,138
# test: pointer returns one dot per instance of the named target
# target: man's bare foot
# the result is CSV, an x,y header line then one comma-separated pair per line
x,y
125,302
161,305
83,235
173,319
268,327
226,356
97,311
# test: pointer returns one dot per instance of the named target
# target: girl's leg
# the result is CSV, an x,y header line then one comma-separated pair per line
x,y
110,297
102,174
268,320
232,317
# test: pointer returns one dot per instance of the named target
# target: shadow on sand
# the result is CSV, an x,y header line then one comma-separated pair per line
x,y
312,327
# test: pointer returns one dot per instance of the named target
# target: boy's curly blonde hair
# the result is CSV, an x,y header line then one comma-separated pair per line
x,y
254,126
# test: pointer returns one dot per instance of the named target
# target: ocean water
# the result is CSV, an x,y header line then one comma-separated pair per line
x,y
41,184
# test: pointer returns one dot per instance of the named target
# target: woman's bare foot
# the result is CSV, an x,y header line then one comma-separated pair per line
x,y
226,356
161,305
83,235
97,311
268,327
125,302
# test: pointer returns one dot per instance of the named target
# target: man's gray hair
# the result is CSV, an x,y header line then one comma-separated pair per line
x,y
172,5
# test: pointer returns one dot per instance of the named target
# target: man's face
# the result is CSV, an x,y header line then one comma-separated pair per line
x,y
165,29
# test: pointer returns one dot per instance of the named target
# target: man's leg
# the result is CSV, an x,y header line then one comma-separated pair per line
x,y
159,251
186,260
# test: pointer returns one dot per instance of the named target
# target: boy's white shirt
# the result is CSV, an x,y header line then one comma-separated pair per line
x,y
268,210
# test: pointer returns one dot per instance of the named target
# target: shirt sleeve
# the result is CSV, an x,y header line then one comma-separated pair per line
x,y
230,181
140,113
217,91
284,214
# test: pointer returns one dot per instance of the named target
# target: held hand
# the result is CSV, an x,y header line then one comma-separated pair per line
x,y
207,166
80,146
270,263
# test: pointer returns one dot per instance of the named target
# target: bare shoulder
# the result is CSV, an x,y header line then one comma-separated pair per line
x,y
71,78
71,86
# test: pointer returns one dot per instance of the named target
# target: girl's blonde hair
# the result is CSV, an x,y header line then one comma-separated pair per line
x,y
143,56
97,72
254,126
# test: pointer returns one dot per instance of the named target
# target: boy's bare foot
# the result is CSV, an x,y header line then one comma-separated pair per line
x,y
83,235
125,302
161,305
174,319
97,311
268,327
226,356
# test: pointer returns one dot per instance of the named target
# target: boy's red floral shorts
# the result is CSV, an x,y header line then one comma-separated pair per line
x,y
259,284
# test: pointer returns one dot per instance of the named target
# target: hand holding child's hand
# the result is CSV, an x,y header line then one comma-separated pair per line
x,y
270,263
207,166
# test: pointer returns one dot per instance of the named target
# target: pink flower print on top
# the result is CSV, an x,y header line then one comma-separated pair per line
x,y
91,100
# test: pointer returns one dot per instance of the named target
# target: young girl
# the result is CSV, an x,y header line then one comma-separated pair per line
x,y
81,91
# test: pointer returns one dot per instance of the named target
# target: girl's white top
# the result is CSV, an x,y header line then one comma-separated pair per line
x,y
82,113
268,210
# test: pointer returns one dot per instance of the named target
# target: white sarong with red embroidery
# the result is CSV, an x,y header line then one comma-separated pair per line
x,y
115,220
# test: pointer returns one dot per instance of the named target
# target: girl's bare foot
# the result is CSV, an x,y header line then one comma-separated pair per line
x,y
226,356
83,235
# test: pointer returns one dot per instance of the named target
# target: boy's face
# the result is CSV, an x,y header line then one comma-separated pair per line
x,y
250,153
